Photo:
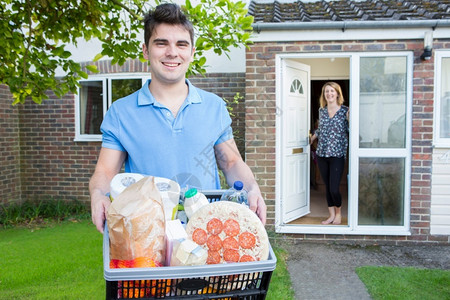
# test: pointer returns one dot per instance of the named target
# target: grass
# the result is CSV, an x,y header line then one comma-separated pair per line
x,y
280,284
405,283
61,261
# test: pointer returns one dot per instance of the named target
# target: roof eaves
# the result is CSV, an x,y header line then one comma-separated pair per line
x,y
344,25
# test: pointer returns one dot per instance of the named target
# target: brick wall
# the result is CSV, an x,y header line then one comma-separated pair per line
x,y
260,121
53,165
10,187
46,162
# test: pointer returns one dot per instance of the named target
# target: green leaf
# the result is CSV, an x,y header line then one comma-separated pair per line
x,y
98,57
92,68
202,61
83,75
66,54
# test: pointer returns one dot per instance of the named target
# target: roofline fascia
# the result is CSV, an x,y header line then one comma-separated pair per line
x,y
344,25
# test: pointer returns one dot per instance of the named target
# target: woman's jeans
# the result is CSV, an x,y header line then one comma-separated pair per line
x,y
331,170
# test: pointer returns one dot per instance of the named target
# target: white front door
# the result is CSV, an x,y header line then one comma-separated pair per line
x,y
295,150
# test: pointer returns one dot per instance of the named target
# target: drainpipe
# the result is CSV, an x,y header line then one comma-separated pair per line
x,y
343,25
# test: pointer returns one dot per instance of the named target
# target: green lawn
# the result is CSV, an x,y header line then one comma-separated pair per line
x,y
64,261
405,283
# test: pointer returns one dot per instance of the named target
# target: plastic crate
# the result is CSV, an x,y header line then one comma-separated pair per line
x,y
246,280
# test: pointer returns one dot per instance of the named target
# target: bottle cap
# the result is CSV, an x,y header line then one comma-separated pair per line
x,y
190,193
238,185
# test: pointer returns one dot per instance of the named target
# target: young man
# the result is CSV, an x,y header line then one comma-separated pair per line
x,y
169,128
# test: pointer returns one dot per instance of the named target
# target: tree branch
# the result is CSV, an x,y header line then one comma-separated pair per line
x,y
119,3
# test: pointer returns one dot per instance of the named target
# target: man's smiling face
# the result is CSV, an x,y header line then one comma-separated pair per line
x,y
170,52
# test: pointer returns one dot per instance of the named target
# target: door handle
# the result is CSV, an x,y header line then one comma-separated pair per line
x,y
297,150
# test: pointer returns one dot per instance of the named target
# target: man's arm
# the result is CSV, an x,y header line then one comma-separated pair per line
x,y
230,162
108,165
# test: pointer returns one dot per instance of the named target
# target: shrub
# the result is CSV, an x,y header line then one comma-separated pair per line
x,y
12,214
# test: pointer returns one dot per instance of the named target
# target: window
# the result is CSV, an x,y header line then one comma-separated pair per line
x,y
381,154
94,98
382,102
442,99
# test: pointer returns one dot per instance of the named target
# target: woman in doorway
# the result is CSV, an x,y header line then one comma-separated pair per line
x,y
332,135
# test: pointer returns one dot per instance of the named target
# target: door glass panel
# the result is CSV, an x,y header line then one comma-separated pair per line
x,y
91,107
382,102
445,99
381,191
296,87
124,87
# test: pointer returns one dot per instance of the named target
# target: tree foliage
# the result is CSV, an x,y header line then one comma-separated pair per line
x,y
36,35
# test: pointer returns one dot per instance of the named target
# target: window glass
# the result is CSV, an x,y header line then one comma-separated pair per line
x,y
94,97
383,102
91,107
445,99
381,191
124,87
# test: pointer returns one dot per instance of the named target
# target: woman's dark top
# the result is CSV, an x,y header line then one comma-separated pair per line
x,y
332,133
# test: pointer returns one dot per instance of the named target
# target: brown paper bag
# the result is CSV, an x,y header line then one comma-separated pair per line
x,y
136,223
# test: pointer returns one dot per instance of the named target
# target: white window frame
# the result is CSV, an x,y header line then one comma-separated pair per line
x,y
439,142
405,152
107,100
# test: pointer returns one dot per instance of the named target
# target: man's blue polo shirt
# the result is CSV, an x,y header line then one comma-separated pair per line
x,y
160,145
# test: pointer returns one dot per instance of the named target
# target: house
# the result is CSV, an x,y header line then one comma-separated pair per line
x,y
392,60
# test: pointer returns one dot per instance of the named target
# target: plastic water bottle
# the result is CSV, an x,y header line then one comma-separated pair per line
x,y
236,194
193,200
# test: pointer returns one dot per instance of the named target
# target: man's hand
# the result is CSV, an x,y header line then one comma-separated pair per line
x,y
257,205
108,165
99,209
234,168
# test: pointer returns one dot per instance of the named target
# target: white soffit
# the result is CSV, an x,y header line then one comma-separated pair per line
x,y
348,34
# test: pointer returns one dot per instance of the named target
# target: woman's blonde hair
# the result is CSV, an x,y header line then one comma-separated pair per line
x,y
337,87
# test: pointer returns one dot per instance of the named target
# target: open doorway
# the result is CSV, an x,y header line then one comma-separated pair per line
x,y
319,76
379,170
319,211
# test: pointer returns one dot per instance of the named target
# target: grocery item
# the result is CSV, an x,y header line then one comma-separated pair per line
x,y
136,226
136,223
168,189
174,232
230,232
132,289
193,201
236,194
138,262
121,181
170,194
188,253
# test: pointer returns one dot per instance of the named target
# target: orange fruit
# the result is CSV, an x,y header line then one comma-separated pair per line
x,y
140,288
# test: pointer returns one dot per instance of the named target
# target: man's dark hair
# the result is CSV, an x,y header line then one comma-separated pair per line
x,y
167,13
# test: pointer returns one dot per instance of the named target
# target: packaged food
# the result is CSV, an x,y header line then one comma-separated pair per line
x,y
187,253
193,201
174,232
136,224
230,232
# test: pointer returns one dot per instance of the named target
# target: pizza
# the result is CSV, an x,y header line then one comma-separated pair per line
x,y
230,232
